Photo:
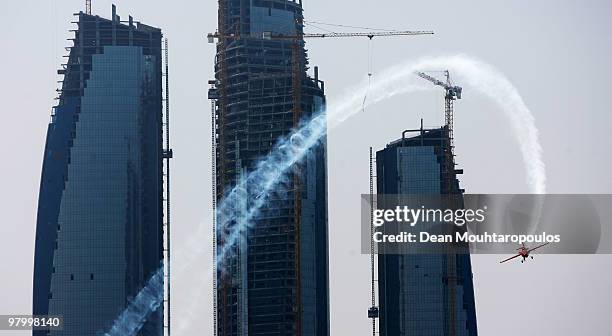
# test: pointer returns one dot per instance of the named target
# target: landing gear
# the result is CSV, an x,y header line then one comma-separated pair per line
x,y
522,261
532,257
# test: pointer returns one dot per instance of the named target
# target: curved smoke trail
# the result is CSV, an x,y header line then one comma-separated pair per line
x,y
273,169
475,74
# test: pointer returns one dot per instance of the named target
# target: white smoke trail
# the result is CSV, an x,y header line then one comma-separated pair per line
x,y
136,313
273,168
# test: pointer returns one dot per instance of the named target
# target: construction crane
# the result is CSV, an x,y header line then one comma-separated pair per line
x,y
270,36
296,66
452,93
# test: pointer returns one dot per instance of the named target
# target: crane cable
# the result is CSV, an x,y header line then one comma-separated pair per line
x,y
347,26
365,96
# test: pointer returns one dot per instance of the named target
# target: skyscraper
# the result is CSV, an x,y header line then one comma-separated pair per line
x,y
423,294
99,233
275,280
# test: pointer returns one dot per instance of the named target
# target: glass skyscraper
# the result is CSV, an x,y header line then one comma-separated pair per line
x,y
99,233
275,280
423,294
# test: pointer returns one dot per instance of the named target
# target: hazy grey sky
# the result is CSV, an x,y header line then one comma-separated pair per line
x,y
555,52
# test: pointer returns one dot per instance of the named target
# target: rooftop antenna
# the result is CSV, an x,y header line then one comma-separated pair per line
x,y
88,7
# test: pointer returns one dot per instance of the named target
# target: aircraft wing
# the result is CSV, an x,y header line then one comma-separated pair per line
x,y
503,261
537,247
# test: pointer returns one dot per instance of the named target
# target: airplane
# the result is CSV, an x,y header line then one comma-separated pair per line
x,y
523,252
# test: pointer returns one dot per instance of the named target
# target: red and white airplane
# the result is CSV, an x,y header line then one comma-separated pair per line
x,y
523,251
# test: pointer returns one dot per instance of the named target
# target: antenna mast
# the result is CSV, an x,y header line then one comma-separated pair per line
x,y
166,156
373,310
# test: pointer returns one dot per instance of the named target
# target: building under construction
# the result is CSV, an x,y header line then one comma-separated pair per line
x,y
423,294
100,221
275,280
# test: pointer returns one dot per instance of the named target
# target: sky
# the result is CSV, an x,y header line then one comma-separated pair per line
x,y
556,53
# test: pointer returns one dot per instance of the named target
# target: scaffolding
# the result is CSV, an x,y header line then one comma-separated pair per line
x,y
213,96
257,100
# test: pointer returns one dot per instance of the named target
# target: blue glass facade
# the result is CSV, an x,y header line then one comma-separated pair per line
x,y
275,281
99,226
425,294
